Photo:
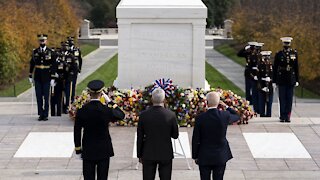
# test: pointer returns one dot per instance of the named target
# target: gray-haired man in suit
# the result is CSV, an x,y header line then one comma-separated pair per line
x,y
157,125
210,147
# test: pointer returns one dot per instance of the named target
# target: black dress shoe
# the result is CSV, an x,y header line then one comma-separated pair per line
x,y
282,120
288,120
40,118
45,119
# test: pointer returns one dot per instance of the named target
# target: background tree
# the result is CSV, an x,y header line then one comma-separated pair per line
x,y
296,18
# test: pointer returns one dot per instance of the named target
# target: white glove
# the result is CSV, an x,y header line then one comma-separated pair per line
x,y
30,80
268,79
274,85
247,47
77,156
106,97
255,78
52,83
297,84
265,89
78,74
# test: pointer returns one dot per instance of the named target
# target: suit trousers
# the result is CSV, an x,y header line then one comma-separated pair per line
x,y
90,167
217,172
150,167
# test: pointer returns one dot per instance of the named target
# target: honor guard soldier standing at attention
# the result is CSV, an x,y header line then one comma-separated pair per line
x,y
77,60
95,145
265,84
71,71
41,65
248,52
286,77
56,95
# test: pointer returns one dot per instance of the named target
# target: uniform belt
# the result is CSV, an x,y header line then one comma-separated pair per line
x,y
42,67
254,68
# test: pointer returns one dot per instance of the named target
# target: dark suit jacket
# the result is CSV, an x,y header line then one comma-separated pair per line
x,y
94,118
209,142
156,127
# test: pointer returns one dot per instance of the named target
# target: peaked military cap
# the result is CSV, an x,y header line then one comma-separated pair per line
x,y
96,86
266,53
42,36
286,39
252,43
70,38
259,44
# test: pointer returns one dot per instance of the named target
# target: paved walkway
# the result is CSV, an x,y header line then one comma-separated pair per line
x,y
91,62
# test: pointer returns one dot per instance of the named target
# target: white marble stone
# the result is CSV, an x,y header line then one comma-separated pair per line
x,y
178,153
161,39
275,145
46,144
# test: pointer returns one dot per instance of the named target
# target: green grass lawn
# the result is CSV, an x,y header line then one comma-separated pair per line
x,y
216,79
87,48
231,53
108,72
23,84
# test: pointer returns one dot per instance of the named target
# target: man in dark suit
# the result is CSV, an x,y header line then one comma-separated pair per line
x,y
96,146
210,147
156,127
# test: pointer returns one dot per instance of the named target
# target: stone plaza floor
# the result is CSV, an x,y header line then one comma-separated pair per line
x,y
263,149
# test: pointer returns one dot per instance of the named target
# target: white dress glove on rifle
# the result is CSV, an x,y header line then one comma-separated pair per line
x,y
106,97
30,80
255,78
297,84
268,79
274,85
52,83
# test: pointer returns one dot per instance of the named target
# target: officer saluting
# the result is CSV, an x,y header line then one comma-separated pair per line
x,y
265,84
41,63
248,52
286,76
77,60
96,146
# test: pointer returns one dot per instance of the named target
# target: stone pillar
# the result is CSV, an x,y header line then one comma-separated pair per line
x,y
161,39
85,29
228,28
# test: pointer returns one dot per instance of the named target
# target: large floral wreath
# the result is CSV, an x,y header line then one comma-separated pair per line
x,y
186,103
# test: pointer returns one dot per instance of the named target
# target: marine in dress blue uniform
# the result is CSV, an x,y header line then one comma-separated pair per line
x,y
265,90
286,77
248,53
41,67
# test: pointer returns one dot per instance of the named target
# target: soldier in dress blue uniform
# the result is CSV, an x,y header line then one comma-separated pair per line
x,y
286,77
75,53
95,146
248,52
71,71
41,65
265,84
57,94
